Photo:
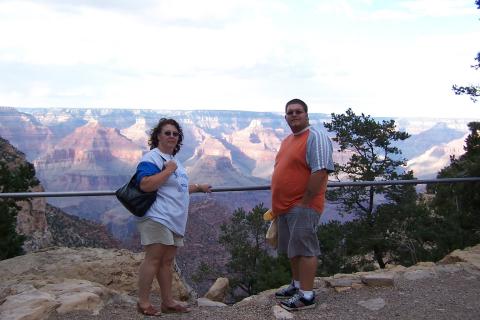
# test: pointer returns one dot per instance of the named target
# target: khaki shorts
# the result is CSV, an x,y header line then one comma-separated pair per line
x,y
154,232
297,232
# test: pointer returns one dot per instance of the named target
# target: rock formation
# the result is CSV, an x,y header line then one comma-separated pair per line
x,y
65,279
45,225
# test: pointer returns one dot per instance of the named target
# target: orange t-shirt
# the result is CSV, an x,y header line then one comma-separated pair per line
x,y
291,174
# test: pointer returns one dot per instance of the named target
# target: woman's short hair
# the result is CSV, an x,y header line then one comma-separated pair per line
x,y
153,141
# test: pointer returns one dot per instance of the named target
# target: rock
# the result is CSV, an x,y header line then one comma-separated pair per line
x,y
319,283
205,302
113,268
357,286
279,313
218,290
373,304
32,222
75,294
63,279
428,264
31,304
38,299
342,282
418,274
263,298
447,268
378,279
470,255
398,268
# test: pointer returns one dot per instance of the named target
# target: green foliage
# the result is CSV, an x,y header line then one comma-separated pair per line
x,y
459,204
390,223
251,266
337,255
473,90
10,242
17,179
373,156
204,272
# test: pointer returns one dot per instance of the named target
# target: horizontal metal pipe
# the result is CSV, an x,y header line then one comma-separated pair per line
x,y
331,184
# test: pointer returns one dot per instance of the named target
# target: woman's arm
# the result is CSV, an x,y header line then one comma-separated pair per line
x,y
205,188
152,183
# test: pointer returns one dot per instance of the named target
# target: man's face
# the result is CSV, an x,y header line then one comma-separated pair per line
x,y
296,117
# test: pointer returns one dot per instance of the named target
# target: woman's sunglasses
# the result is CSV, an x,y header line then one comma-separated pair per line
x,y
171,133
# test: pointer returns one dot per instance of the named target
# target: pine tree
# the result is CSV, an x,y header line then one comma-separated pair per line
x,y
459,204
252,268
382,216
12,179
473,90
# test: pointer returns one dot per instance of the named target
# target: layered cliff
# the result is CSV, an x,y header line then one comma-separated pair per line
x,y
43,224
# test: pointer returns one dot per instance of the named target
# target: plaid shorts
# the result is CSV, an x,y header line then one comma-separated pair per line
x,y
297,232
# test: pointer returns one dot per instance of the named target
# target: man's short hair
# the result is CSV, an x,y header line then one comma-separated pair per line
x,y
297,101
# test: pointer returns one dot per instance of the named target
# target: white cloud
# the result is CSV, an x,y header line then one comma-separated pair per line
x,y
370,10
234,54
439,8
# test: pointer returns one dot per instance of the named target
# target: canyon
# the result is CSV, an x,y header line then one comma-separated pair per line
x,y
97,149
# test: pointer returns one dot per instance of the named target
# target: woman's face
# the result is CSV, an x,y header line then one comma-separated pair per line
x,y
168,138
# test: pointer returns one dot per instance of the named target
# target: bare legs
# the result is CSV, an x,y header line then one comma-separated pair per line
x,y
304,270
157,263
164,276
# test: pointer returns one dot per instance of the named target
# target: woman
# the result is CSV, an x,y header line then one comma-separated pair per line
x,y
163,226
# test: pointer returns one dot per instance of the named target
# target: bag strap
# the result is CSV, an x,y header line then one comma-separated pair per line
x,y
134,177
164,160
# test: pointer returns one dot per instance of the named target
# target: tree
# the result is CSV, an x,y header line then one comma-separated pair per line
x,y
373,156
473,90
251,266
459,204
12,179
204,272
336,254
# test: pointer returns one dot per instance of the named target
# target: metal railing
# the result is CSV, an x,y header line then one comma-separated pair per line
x,y
21,195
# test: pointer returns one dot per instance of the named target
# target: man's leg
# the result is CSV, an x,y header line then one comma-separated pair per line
x,y
283,241
295,266
305,299
294,286
304,248
307,268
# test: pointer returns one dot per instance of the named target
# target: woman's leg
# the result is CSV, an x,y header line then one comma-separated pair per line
x,y
148,270
164,275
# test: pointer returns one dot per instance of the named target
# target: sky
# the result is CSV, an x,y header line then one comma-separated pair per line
x,y
395,58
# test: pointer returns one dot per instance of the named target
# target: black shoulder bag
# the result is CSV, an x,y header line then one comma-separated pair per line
x,y
135,200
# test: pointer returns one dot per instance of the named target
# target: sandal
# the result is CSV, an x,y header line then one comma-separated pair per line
x,y
149,311
177,308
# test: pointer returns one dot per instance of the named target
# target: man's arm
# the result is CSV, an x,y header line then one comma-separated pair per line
x,y
316,183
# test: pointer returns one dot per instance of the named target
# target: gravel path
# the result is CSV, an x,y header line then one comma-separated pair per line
x,y
451,294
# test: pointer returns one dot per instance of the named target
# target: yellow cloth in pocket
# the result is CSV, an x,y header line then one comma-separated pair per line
x,y
268,215
272,233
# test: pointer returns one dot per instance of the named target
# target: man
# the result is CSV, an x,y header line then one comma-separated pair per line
x,y
299,183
